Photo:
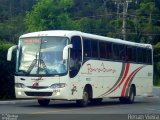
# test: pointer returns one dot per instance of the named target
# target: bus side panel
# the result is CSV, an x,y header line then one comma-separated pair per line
x,y
101,75
144,81
110,79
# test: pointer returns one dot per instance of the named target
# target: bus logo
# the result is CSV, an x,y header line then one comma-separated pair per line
x,y
36,84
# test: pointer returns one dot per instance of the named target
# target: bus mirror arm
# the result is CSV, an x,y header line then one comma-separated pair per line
x,y
65,51
10,50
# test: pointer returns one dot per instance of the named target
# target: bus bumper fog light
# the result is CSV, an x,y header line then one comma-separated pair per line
x,y
58,93
19,93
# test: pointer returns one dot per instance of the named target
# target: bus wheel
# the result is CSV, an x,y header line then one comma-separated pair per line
x,y
43,102
96,101
130,98
85,98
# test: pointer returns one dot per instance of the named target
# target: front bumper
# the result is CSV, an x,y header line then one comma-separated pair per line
x,y
47,93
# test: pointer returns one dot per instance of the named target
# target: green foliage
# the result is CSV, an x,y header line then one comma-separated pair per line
x,y
157,64
11,18
157,53
6,72
63,14
49,14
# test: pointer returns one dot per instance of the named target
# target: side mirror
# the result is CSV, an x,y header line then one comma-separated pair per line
x,y
10,50
65,51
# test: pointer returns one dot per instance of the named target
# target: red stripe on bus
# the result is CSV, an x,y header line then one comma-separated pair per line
x,y
121,75
123,78
127,81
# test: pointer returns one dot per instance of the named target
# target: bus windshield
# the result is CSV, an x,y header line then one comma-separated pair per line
x,y
41,56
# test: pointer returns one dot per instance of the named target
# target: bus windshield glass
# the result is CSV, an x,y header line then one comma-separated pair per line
x,y
41,56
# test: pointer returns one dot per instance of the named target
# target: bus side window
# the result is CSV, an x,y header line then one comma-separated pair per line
x,y
140,55
75,56
149,56
144,56
102,50
94,48
122,52
109,50
115,53
87,47
129,54
134,54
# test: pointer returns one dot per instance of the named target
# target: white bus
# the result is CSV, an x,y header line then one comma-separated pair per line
x,y
72,65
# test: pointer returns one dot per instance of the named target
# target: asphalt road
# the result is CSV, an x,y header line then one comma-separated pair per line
x,y
67,110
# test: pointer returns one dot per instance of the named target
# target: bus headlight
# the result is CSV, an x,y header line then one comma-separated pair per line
x,y
20,85
58,85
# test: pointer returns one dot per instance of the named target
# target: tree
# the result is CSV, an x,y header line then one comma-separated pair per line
x,y
7,69
49,14
11,18
157,63
145,20
68,14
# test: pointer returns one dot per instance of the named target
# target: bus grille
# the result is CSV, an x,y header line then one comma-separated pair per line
x,y
38,93
39,87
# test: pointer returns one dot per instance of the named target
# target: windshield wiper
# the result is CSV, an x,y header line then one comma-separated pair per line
x,y
31,66
34,63
43,65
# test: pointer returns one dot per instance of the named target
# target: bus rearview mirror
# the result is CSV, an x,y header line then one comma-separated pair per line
x,y
65,51
10,50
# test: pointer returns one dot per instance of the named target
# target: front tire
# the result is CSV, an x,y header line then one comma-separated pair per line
x,y
85,98
43,102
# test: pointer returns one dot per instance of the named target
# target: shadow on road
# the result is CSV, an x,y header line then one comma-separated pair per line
x,y
72,104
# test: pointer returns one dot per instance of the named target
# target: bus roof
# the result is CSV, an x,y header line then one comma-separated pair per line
x,y
68,33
